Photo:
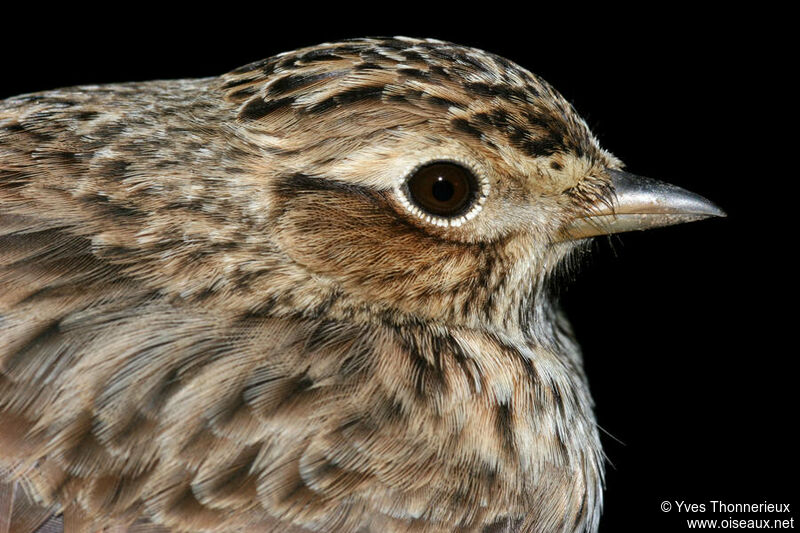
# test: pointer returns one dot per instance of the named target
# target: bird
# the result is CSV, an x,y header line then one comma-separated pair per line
x,y
317,293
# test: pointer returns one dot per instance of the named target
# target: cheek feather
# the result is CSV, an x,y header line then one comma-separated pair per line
x,y
361,244
356,239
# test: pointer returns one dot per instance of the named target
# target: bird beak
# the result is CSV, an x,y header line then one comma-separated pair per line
x,y
641,203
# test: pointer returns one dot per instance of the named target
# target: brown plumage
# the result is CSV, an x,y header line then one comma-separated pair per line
x,y
220,310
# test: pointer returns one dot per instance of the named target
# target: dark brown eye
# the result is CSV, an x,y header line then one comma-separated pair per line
x,y
443,189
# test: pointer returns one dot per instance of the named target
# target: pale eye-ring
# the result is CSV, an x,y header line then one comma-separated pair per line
x,y
444,192
443,189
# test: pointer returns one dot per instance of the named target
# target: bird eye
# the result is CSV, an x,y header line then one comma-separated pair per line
x,y
443,189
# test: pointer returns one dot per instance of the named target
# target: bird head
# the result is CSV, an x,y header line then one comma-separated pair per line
x,y
189,284
429,180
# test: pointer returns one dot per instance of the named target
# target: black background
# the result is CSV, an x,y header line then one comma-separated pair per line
x,y
685,329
